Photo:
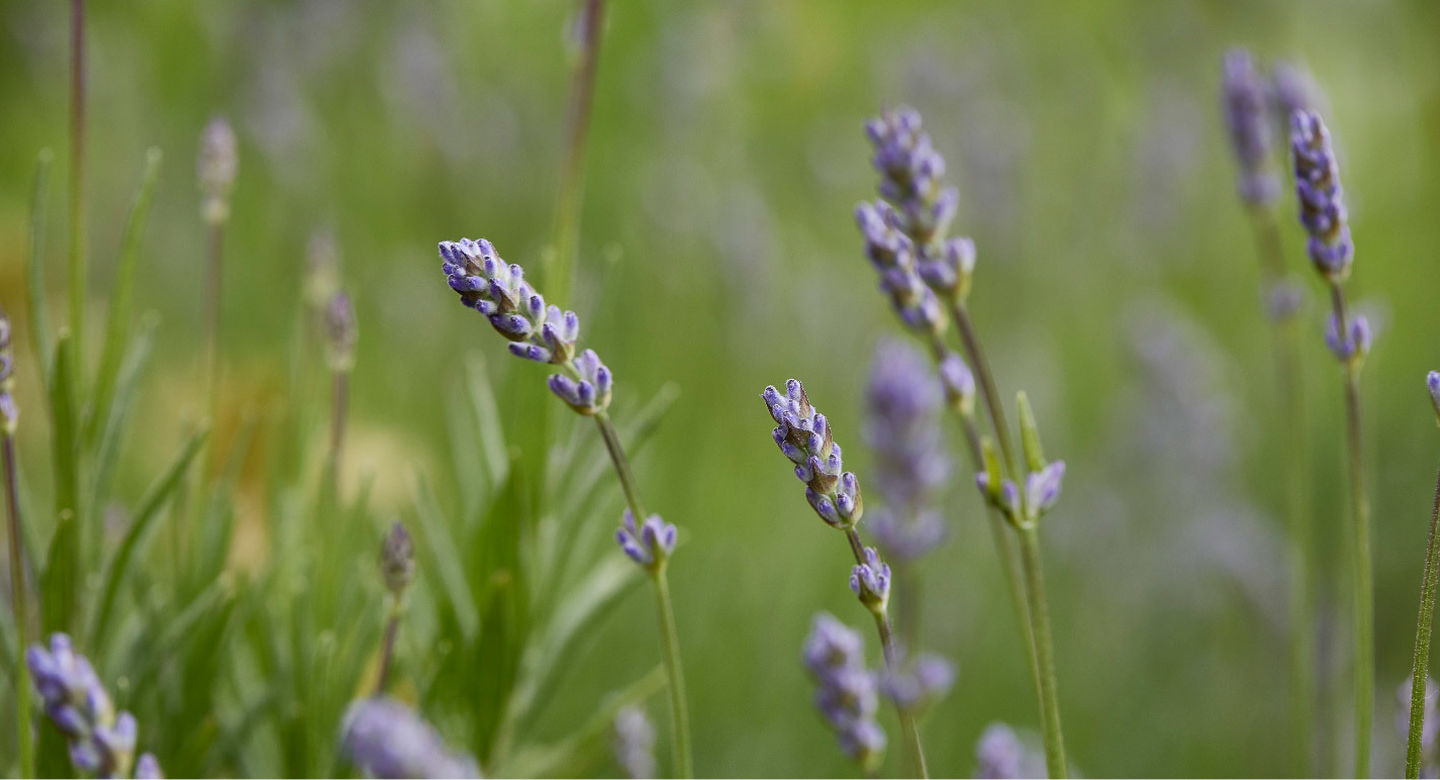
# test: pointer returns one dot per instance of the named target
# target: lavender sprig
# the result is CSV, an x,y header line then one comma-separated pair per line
x,y
101,742
1331,250
545,334
903,402
397,570
847,693
1246,101
19,596
921,684
388,739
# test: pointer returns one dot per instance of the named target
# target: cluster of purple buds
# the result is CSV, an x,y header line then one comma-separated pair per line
x,y
1351,346
635,742
1247,116
847,693
536,331
9,410
648,544
387,739
803,434
101,741
916,688
870,581
1432,383
911,174
902,427
1322,201
894,257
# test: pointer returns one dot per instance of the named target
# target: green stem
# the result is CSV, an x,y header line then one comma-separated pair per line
x,y
215,245
22,615
981,367
387,650
572,171
1420,670
1044,651
339,406
669,638
1363,584
892,663
77,177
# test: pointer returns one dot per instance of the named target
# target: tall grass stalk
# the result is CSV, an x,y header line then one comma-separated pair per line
x,y
1420,669
77,176
569,198
665,611
20,602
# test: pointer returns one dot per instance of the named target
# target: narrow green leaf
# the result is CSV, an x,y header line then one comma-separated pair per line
x,y
107,450
1029,434
574,755
59,583
442,553
35,271
117,328
487,419
135,535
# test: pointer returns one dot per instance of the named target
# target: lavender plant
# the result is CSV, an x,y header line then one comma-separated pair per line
x,y
101,742
847,693
1420,702
546,334
19,594
804,436
397,570
909,239
388,739
1247,102
216,165
1331,251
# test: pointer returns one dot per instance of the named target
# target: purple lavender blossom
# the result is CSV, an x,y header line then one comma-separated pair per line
x,y
9,410
919,686
147,768
1042,492
803,434
536,331
387,739
870,581
1247,116
1432,383
894,257
1042,488
397,559
634,742
1322,201
959,383
999,753
1293,89
847,692
101,742
1354,345
648,544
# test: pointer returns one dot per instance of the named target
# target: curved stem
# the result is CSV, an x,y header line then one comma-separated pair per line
x,y
892,663
981,367
21,609
1044,651
669,638
1420,670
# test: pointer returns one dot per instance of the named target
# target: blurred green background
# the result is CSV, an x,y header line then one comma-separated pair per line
x,y
1117,284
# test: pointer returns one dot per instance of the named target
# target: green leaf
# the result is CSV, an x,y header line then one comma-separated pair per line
x,y
574,755
489,431
442,554
35,271
1029,434
135,535
60,581
117,328
107,451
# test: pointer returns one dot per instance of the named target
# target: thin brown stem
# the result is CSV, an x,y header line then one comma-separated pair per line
x,y
21,607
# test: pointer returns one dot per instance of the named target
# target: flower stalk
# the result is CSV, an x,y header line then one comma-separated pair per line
x,y
19,595
1424,624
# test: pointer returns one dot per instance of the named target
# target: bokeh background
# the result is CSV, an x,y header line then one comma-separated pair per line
x,y
1117,284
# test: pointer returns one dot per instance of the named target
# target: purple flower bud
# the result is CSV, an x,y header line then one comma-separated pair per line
x,y
589,392
9,410
870,581
1284,300
340,332
958,382
634,742
649,544
999,754
846,691
100,741
385,738
147,768
1042,488
397,559
1356,342
803,435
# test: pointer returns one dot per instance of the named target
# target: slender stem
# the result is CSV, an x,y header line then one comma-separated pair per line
x,y
572,172
1289,391
670,646
981,367
1421,667
77,177
669,638
892,663
1363,584
387,650
21,607
215,245
1044,651
340,395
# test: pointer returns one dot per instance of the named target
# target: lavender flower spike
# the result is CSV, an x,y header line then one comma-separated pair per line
x,y
1322,201
147,768
101,742
1432,383
916,688
387,739
846,692
397,559
803,434
870,581
1247,116
536,331
911,173
648,544
894,257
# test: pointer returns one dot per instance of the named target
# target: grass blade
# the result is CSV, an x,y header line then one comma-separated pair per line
x,y
60,580
150,506
106,452
35,271
122,299
574,755
441,550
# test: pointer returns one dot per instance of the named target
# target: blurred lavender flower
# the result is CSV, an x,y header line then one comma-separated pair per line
x,y
215,166
340,332
147,768
1247,116
1000,753
649,544
1042,492
1432,719
387,739
1322,201
397,560
1432,383
9,410
1284,299
902,428
846,692
1354,344
101,742
1294,89
870,581
634,742
544,334
959,383
803,434
916,688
